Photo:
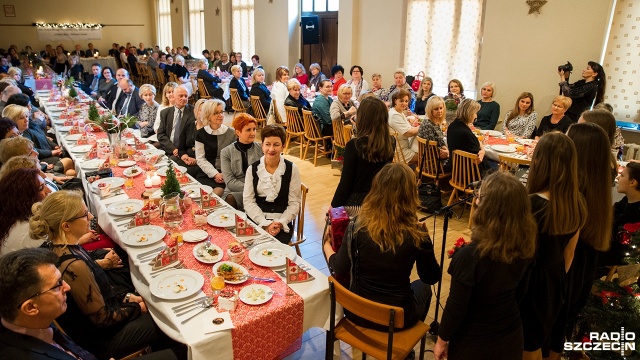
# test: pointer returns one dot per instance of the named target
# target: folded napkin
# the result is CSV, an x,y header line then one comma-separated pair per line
x,y
113,199
208,326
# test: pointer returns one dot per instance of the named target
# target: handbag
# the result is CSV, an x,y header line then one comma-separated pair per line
x,y
429,194
415,84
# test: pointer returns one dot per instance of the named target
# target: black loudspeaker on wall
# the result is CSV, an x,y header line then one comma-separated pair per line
x,y
310,30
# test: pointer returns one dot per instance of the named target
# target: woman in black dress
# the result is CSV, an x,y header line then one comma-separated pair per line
x,y
488,277
260,89
560,211
557,121
460,136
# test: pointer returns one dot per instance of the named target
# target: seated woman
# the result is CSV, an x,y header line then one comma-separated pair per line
x,y
197,113
210,81
400,83
224,63
76,70
358,85
522,120
322,107
16,74
279,90
337,78
316,76
399,124
148,111
104,314
184,78
489,109
381,247
8,128
300,74
424,94
209,142
488,276
557,121
455,95
28,187
295,99
19,146
167,101
366,154
260,89
272,187
460,136
237,82
236,158
343,109
107,82
430,129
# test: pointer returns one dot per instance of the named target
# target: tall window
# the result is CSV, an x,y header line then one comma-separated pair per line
x,y
319,5
443,40
164,23
242,30
196,27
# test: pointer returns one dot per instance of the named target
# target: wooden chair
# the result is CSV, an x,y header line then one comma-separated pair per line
x,y
299,234
465,170
295,128
236,102
391,344
258,111
173,77
202,90
276,114
398,155
348,133
339,140
511,164
160,79
313,135
432,167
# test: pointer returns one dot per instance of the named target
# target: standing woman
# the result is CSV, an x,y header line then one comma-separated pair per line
x,y
279,90
148,111
337,78
209,142
488,276
183,75
522,120
560,212
365,155
557,121
430,129
489,109
236,158
316,76
424,94
300,74
358,85
167,101
406,131
272,187
583,92
260,89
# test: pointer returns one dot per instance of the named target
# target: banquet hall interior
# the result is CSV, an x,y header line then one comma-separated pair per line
x,y
515,44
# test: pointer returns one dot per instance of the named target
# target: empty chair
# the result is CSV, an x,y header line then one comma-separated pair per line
x,y
295,128
313,135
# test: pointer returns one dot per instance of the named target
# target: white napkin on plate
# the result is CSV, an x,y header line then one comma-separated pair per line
x,y
207,321
113,199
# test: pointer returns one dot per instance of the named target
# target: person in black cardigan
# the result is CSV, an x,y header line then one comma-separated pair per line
x,y
237,82
460,136
295,98
210,81
558,120
260,89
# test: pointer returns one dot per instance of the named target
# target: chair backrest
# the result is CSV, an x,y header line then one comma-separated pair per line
x,y
258,110
173,77
303,200
276,113
398,156
348,133
511,164
161,78
338,134
294,122
365,308
204,94
465,169
311,128
236,101
430,151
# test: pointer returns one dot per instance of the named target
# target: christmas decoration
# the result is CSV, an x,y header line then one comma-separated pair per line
x,y
171,184
460,243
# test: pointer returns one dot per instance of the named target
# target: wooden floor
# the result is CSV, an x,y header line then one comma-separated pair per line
x,y
322,182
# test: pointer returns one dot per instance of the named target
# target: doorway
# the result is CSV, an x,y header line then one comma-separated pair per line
x,y
326,52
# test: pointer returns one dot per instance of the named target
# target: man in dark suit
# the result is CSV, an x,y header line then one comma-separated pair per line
x,y
173,120
92,80
114,51
91,51
78,52
109,100
129,102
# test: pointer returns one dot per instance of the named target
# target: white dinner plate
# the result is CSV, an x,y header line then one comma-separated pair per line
x,y
201,255
255,294
525,141
58,121
73,137
126,163
507,149
52,103
272,254
163,170
125,207
80,149
65,128
129,172
491,133
92,164
56,109
238,268
115,182
195,235
194,190
143,235
176,284
222,218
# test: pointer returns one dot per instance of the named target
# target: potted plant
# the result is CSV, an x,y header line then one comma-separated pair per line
x,y
172,186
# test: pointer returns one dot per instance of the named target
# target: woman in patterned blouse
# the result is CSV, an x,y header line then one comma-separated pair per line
x,y
522,120
430,128
147,115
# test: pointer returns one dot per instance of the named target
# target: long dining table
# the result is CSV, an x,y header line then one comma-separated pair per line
x,y
264,331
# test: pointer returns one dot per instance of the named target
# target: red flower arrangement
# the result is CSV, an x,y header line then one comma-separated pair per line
x,y
460,243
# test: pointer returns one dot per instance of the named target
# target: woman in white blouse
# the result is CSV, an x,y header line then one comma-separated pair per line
x,y
272,187
210,140
279,90
522,120
399,123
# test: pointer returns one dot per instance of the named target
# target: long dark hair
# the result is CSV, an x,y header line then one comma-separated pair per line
x,y
373,129
17,207
601,78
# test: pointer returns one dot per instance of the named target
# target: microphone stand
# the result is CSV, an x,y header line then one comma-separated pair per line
x,y
447,213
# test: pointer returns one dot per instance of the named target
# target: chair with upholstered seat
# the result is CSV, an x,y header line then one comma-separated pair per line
x,y
432,167
465,170
236,103
299,237
258,111
313,135
295,128
395,343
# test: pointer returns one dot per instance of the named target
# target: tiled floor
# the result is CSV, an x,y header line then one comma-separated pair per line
x,y
322,182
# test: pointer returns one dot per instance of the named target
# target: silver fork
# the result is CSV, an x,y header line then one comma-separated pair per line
x,y
177,266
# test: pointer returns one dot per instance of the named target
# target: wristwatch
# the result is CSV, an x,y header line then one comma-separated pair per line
x,y
127,297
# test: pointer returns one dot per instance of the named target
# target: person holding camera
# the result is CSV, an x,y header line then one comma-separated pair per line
x,y
582,92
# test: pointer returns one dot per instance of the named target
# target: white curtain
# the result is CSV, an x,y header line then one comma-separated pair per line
x,y
164,23
196,28
242,29
443,40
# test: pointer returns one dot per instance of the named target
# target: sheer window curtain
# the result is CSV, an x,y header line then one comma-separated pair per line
x,y
242,29
164,23
443,40
196,28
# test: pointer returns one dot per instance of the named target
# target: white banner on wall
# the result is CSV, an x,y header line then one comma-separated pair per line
x,y
53,34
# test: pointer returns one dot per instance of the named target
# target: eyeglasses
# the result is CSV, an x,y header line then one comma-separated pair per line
x,y
85,215
57,286
216,113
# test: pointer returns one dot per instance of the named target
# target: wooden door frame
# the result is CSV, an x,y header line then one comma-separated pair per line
x,y
321,15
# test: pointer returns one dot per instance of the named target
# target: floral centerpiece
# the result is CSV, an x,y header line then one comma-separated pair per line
x,y
113,125
459,244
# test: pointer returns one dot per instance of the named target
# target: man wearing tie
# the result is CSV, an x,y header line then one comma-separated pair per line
x,y
92,81
129,102
173,120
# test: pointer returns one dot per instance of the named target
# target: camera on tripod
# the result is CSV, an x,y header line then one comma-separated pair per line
x,y
566,67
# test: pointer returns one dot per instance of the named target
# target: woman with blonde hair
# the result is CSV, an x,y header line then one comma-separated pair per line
x,y
147,114
16,74
522,120
488,276
167,100
279,90
430,128
295,98
560,212
343,108
489,109
197,111
460,136
557,121
382,245
260,90
182,74
424,94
